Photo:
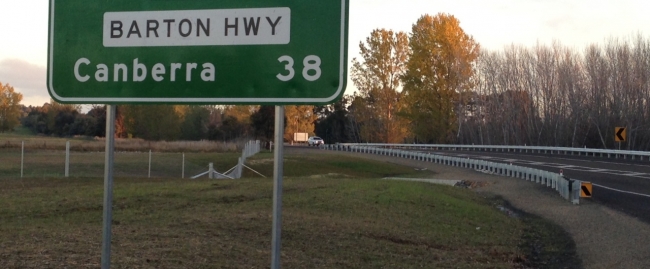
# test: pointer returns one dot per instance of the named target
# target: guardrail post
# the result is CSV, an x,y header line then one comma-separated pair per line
x,y
575,199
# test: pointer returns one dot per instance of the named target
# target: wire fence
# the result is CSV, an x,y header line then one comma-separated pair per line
x,y
27,161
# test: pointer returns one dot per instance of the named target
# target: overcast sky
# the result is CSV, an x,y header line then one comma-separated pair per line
x,y
493,23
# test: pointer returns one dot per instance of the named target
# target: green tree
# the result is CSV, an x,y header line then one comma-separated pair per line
x,y
333,124
263,122
240,112
60,118
153,122
378,78
440,67
9,108
195,123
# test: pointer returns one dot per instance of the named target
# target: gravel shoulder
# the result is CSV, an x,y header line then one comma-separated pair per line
x,y
604,238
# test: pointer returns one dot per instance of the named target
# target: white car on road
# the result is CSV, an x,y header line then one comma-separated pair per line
x,y
315,141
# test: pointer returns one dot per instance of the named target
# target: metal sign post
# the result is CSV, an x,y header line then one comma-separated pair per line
x,y
108,187
278,166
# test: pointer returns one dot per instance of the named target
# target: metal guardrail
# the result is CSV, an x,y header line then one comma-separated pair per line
x,y
527,149
569,189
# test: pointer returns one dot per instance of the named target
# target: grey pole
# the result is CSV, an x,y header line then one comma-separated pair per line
x,y
22,158
67,158
108,187
183,167
277,187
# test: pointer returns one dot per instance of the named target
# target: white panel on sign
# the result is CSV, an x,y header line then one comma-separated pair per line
x,y
251,26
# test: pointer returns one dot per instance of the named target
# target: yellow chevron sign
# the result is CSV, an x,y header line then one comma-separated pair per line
x,y
620,134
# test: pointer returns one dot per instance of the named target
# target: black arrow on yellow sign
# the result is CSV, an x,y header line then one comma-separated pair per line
x,y
586,192
620,134
585,189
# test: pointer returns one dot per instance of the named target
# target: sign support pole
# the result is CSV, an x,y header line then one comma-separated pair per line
x,y
277,187
108,186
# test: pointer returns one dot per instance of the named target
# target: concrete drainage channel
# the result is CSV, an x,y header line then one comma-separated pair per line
x,y
569,189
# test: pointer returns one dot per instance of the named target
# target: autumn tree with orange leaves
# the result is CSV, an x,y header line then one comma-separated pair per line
x,y
9,108
377,76
439,70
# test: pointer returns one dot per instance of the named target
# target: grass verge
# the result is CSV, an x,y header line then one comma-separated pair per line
x,y
344,220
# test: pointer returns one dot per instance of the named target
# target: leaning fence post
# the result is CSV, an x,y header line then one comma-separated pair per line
x,y
67,158
240,167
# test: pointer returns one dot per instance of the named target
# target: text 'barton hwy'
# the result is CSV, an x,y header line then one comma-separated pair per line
x,y
255,26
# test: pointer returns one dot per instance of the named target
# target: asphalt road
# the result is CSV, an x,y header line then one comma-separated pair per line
x,y
630,178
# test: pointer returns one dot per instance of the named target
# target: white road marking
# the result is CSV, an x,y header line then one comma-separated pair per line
x,y
634,174
595,170
567,166
635,193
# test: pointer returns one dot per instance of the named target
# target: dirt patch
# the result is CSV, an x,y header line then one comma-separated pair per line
x,y
470,184
265,161
329,175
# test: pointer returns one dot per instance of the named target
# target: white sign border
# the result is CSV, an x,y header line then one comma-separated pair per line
x,y
114,100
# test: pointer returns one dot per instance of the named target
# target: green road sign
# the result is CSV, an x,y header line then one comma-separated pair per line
x,y
197,51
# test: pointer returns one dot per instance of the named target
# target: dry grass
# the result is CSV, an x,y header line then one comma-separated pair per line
x,y
98,144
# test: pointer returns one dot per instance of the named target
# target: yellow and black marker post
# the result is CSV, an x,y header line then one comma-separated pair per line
x,y
585,189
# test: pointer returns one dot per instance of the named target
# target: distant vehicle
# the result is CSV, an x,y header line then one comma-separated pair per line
x,y
315,141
